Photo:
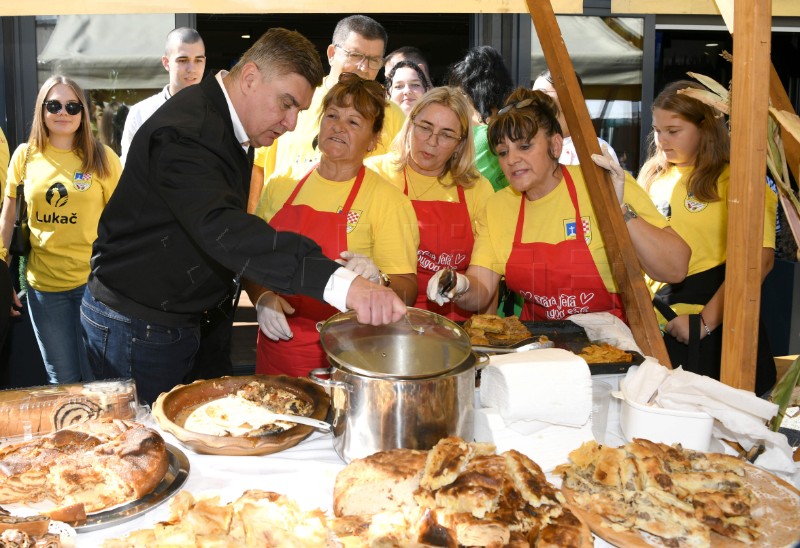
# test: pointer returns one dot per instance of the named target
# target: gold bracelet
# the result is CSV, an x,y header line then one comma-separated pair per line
x,y
708,331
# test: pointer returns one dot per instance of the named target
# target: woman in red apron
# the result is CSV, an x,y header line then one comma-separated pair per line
x,y
354,216
541,233
434,167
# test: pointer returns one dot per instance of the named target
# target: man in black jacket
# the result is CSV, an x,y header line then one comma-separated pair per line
x,y
175,238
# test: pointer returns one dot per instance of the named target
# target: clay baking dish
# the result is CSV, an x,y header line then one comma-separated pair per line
x,y
170,404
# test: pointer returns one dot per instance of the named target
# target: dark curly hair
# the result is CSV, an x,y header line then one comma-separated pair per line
x,y
483,76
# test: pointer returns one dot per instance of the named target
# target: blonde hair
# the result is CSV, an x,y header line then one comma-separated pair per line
x,y
461,164
91,152
713,152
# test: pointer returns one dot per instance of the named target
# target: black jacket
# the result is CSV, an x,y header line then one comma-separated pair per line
x,y
176,233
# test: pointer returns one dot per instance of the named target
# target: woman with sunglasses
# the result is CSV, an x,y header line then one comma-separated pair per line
x,y
69,177
354,215
541,232
434,165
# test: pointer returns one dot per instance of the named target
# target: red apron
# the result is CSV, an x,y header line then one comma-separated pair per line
x,y
445,240
557,280
303,352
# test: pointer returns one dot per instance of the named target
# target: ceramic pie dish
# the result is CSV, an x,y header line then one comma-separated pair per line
x,y
171,406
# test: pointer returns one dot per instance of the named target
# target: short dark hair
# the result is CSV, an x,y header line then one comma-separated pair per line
x,y
367,27
483,76
409,53
406,64
279,52
182,35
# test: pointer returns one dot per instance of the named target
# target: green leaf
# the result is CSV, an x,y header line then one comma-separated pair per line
x,y
782,393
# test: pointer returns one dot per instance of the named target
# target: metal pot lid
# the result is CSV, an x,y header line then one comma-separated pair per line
x,y
396,350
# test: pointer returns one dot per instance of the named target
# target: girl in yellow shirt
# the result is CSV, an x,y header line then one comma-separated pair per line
x,y
68,178
687,176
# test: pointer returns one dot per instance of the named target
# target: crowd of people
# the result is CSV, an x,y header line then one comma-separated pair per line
x,y
321,192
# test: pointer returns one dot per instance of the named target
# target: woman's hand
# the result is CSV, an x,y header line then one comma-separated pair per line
x,y
16,304
459,288
271,310
607,162
678,327
361,265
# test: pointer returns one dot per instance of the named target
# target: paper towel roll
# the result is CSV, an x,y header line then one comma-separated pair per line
x,y
551,385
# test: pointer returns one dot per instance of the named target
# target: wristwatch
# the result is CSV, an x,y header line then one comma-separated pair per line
x,y
385,279
628,212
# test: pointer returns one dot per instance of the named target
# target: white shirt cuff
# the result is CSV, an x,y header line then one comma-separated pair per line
x,y
335,293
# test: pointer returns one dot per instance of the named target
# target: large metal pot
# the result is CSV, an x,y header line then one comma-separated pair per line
x,y
392,387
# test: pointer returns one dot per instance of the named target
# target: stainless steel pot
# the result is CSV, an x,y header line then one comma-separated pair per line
x,y
394,388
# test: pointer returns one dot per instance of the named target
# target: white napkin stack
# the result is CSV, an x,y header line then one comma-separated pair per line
x,y
548,445
537,402
739,415
550,385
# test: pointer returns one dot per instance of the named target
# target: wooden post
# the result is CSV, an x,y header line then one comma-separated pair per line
x,y
624,263
780,100
751,74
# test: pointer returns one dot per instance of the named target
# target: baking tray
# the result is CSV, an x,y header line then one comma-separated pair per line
x,y
570,336
176,476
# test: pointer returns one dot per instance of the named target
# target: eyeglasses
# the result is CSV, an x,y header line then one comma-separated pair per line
x,y
356,59
443,137
519,104
54,107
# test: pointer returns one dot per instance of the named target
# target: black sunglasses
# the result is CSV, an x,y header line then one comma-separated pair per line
x,y
54,107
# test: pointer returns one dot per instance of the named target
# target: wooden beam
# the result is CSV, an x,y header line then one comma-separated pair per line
x,y
780,100
780,8
60,7
749,110
621,255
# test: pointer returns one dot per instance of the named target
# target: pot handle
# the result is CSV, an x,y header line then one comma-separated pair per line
x,y
319,326
483,360
313,375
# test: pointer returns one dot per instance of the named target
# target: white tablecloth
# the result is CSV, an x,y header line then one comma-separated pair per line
x,y
306,473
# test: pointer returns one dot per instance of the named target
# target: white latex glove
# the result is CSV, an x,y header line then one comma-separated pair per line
x,y
271,310
361,265
461,287
607,162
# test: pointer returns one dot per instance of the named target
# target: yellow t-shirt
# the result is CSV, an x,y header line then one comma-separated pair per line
x,y
4,155
422,187
64,207
385,229
551,219
293,154
703,225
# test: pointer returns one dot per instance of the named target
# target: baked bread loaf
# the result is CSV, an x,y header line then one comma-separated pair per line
x,y
384,481
463,494
256,519
99,464
44,409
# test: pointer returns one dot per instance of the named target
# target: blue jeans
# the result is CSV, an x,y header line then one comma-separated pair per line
x,y
156,357
56,320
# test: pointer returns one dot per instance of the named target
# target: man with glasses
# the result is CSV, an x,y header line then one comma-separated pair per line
x,y
185,60
175,239
359,43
